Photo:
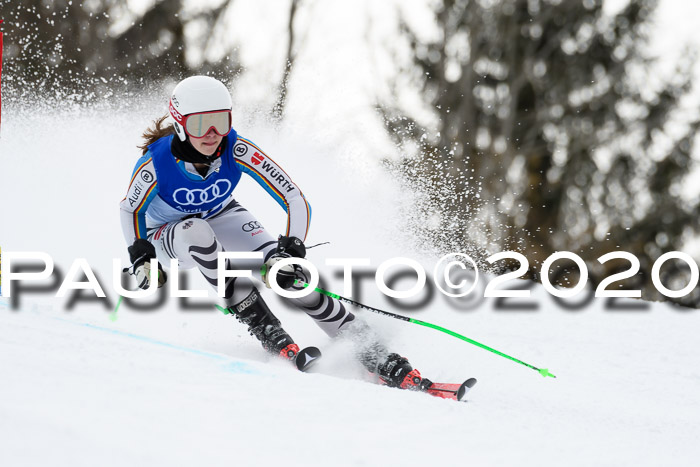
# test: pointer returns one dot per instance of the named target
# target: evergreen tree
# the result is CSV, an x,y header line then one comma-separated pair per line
x,y
67,45
549,132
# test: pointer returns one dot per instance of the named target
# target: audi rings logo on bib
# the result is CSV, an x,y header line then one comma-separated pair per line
x,y
198,197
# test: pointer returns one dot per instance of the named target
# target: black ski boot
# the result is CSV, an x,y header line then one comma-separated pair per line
x,y
254,312
393,370
396,372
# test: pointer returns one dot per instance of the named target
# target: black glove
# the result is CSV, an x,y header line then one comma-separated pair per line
x,y
140,254
292,246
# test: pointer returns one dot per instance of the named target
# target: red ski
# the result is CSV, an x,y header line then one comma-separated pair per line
x,y
454,391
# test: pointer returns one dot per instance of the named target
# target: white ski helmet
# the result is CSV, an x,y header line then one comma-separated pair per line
x,y
197,94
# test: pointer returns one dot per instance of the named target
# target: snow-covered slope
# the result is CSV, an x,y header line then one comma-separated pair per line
x,y
177,387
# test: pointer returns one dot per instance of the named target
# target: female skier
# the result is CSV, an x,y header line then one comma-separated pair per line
x,y
180,205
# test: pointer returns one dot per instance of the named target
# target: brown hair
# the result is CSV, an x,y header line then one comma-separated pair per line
x,y
155,132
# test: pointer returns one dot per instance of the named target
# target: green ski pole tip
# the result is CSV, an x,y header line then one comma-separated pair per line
x,y
545,372
113,315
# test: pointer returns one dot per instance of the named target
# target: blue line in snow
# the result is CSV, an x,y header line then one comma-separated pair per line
x,y
232,365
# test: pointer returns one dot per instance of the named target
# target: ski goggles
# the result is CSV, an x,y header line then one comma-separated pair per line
x,y
199,124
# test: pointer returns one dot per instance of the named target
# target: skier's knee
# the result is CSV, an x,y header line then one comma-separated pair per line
x,y
194,232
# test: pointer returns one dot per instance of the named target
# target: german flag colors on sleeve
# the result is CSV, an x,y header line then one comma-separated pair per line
x,y
253,161
143,188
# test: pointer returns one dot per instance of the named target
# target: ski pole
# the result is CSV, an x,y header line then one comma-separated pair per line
x,y
544,372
